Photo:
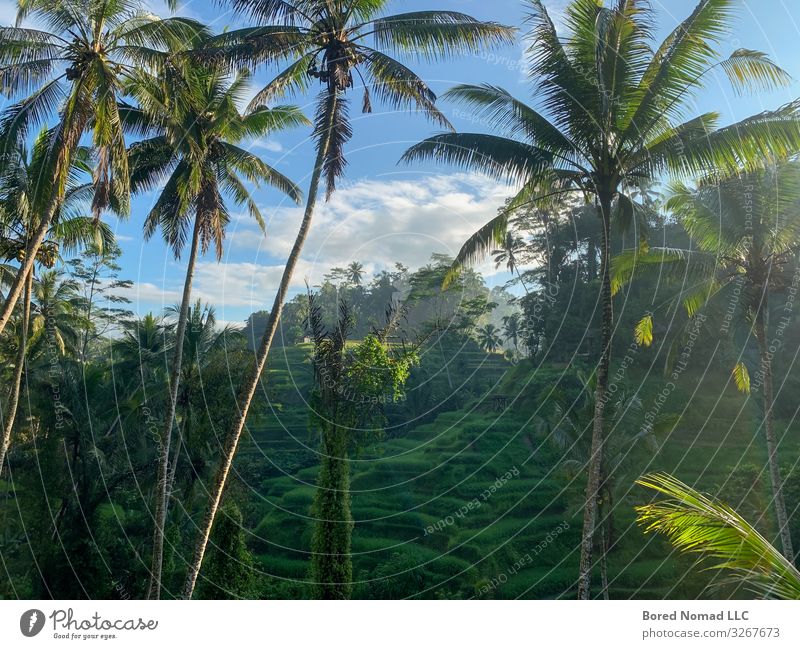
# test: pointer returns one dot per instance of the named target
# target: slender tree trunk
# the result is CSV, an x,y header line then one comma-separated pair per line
x,y
769,429
521,281
591,254
173,467
331,561
162,485
606,513
604,561
598,436
73,487
248,390
16,381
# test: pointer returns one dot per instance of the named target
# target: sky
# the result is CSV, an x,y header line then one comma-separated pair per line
x,y
385,212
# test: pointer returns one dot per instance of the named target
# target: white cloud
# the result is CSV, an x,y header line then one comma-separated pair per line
x,y
376,222
381,221
149,295
272,146
242,284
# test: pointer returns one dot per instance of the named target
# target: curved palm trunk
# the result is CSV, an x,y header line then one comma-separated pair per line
x,y
769,429
163,483
26,268
248,390
596,459
16,384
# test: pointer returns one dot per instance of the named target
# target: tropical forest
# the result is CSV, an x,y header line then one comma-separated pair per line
x,y
381,299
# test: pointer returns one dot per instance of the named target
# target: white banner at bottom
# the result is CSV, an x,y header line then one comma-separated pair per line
x,y
400,625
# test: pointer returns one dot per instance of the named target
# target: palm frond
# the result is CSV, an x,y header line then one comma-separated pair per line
x,y
434,34
332,126
670,262
498,157
677,66
741,376
643,332
291,81
499,108
749,70
746,145
696,523
399,87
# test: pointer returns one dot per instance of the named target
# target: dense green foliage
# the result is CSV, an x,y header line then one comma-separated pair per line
x,y
417,432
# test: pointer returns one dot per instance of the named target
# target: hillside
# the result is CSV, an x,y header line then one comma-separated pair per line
x,y
470,501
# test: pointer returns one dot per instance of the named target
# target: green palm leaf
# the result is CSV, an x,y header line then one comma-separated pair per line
x,y
696,523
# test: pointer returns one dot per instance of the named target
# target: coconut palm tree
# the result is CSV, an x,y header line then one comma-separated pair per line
x,y
76,67
697,523
506,255
192,117
57,314
201,339
512,328
138,357
22,195
355,273
747,231
613,108
489,338
328,44
569,429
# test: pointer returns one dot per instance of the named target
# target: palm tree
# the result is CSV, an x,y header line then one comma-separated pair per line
x,y
512,328
138,357
747,230
78,65
201,339
195,129
508,254
489,338
613,111
694,522
327,43
22,195
355,273
57,314
569,428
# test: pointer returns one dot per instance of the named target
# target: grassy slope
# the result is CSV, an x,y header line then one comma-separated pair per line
x,y
419,477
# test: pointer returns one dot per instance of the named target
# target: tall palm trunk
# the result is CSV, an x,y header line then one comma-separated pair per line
x,y
769,429
591,258
606,512
596,459
16,381
73,130
173,467
331,561
162,485
604,562
248,389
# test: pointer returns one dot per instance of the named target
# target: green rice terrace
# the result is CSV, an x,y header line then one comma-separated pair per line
x,y
295,316
431,518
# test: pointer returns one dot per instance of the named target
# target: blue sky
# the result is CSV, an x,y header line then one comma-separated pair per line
x,y
385,212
